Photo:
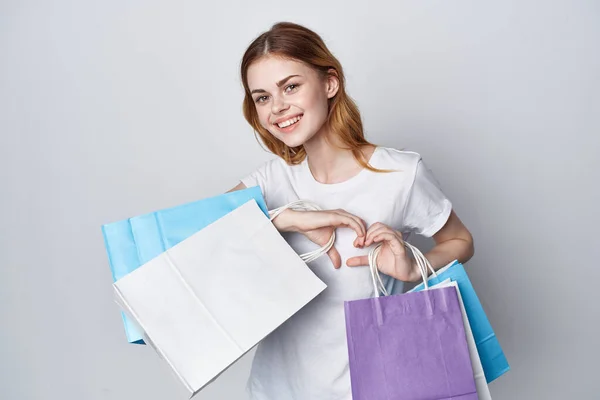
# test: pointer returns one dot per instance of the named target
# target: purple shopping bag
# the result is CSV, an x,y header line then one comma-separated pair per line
x,y
408,346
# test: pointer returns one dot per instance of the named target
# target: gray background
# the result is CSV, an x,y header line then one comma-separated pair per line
x,y
112,109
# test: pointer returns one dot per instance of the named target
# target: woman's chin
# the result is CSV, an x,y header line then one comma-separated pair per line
x,y
296,143
293,140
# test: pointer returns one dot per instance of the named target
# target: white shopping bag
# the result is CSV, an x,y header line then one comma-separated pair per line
x,y
483,391
211,298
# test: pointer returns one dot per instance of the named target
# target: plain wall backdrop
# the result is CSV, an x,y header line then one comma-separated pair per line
x,y
116,108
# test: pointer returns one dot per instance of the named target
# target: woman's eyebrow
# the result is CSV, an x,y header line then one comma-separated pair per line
x,y
279,84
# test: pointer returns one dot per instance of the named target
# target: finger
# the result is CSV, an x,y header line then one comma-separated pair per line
x,y
376,226
334,255
360,239
357,261
354,217
338,219
374,230
361,223
392,239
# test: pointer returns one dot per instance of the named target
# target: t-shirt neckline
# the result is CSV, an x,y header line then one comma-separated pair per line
x,y
336,187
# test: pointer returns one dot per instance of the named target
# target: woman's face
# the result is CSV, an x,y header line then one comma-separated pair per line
x,y
291,98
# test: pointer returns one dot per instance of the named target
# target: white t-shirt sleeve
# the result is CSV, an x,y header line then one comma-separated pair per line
x,y
426,209
259,177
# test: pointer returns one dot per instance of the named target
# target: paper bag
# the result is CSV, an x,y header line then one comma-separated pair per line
x,y
208,300
483,391
492,357
134,241
408,346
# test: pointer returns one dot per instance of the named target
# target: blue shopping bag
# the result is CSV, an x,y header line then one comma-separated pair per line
x,y
492,357
132,242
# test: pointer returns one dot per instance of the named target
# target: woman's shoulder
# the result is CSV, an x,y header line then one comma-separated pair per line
x,y
266,170
397,159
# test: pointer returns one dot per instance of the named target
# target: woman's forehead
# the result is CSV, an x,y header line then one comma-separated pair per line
x,y
269,70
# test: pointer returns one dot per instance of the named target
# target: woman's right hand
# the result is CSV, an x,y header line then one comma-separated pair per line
x,y
318,226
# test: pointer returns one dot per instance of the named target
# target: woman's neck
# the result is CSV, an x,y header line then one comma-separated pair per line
x,y
329,162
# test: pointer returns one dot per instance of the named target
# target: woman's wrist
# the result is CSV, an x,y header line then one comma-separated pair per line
x,y
415,273
285,222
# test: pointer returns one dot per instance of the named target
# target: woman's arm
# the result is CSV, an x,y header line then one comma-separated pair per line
x,y
240,186
453,242
318,226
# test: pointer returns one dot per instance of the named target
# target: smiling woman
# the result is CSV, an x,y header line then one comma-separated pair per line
x,y
286,121
280,106
295,99
308,75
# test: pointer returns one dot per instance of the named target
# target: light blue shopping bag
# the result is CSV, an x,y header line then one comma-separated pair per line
x,y
132,242
492,357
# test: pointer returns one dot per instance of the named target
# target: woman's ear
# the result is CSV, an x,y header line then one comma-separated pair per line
x,y
332,83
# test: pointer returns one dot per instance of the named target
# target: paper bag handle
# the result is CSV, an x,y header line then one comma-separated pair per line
x,y
305,205
422,262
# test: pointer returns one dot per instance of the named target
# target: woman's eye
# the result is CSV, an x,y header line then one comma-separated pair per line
x,y
261,99
291,87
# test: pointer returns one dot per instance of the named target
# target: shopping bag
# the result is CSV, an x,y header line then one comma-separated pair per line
x,y
492,357
408,346
134,241
211,298
483,391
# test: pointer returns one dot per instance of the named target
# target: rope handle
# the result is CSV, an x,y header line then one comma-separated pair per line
x,y
305,205
422,262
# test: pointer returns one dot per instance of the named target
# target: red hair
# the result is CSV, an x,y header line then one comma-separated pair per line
x,y
292,41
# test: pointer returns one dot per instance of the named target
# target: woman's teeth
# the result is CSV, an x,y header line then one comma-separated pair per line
x,y
289,122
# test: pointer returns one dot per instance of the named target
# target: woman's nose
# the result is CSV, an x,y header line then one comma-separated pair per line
x,y
278,105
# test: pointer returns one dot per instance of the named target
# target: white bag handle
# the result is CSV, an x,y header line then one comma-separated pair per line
x,y
422,262
305,205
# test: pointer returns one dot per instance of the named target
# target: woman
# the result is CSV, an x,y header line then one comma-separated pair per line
x,y
295,99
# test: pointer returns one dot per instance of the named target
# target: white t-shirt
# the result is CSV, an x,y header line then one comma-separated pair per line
x,y
306,358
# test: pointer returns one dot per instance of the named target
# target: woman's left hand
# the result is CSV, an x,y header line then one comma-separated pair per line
x,y
393,259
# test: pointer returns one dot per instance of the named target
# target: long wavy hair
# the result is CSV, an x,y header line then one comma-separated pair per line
x,y
293,41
